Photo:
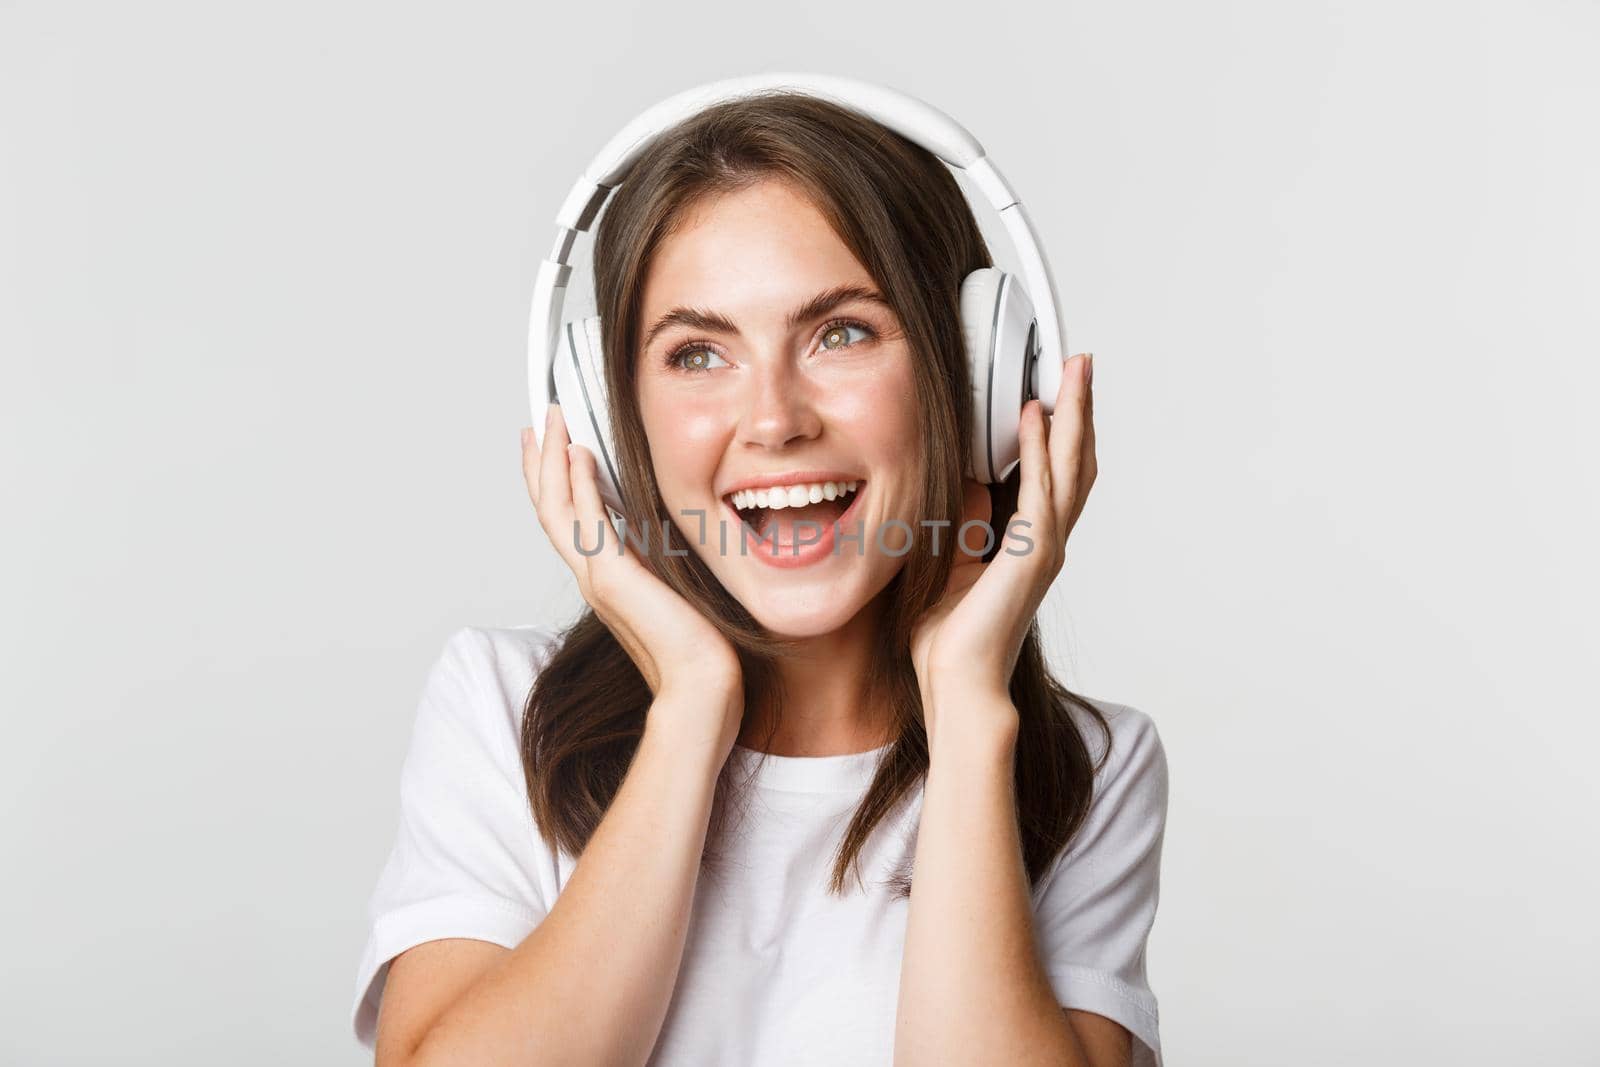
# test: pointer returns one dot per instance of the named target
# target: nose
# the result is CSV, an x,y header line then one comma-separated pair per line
x,y
777,408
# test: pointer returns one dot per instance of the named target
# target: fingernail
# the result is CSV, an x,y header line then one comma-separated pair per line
x,y
526,431
1088,368
549,416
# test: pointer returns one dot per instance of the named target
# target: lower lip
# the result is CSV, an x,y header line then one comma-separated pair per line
x,y
787,557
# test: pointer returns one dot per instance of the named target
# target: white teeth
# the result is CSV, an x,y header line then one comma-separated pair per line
x,y
777,498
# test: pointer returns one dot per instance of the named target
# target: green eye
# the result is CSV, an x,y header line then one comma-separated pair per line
x,y
838,334
693,359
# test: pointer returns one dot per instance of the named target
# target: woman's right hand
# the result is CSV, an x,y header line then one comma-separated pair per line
x,y
677,650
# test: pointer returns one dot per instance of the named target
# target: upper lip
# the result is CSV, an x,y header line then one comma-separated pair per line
x,y
774,481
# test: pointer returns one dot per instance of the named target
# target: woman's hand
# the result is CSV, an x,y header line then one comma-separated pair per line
x,y
966,646
674,646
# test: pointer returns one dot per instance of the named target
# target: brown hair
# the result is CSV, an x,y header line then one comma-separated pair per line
x,y
899,210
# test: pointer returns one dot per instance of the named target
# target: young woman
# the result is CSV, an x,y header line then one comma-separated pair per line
x,y
829,813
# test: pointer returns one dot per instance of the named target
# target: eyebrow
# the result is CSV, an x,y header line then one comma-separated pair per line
x,y
816,307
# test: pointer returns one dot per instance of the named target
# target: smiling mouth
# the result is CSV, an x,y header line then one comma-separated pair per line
x,y
818,514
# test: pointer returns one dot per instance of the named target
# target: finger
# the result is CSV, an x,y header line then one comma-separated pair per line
x,y
554,479
1088,467
530,464
1034,495
1066,438
554,490
594,523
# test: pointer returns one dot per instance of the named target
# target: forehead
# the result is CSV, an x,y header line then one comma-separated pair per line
x,y
758,247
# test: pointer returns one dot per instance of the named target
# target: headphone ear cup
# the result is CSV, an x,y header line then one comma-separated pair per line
x,y
586,401
980,300
997,323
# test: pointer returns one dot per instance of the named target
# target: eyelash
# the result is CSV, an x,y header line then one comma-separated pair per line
x,y
700,346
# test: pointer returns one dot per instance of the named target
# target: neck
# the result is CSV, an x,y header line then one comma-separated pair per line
x,y
825,710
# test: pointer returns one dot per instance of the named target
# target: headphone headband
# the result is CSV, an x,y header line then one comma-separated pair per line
x,y
913,119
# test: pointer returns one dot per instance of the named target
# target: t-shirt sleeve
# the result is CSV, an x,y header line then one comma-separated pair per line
x,y
467,859
1094,914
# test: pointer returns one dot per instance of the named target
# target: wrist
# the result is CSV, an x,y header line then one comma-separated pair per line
x,y
964,692
696,724
719,691
978,719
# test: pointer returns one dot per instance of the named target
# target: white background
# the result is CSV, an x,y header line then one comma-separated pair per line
x,y
264,273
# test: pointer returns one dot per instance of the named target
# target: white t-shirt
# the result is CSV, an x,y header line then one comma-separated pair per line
x,y
775,969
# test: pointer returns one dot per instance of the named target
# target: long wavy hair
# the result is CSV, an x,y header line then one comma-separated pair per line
x,y
899,210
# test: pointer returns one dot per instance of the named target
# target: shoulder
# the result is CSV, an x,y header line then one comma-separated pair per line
x,y
1133,735
1135,770
483,674
507,655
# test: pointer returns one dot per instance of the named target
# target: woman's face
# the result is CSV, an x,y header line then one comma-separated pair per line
x,y
747,378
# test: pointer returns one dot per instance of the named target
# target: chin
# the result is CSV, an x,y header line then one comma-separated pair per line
x,y
809,609
798,620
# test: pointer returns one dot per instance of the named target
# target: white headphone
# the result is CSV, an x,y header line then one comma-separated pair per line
x,y
1014,348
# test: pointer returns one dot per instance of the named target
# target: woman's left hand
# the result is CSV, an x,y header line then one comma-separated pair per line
x,y
966,646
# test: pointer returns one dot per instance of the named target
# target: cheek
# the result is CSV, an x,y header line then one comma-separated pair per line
x,y
685,442
879,411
